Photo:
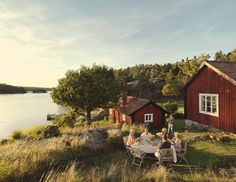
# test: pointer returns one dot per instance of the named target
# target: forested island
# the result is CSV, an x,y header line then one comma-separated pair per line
x,y
10,89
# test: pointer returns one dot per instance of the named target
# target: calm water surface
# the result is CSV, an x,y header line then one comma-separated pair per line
x,y
19,111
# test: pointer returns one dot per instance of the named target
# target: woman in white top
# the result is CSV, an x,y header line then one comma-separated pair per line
x,y
146,135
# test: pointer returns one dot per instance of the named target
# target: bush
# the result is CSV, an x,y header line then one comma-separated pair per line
x,y
171,107
179,115
138,128
17,135
35,132
67,119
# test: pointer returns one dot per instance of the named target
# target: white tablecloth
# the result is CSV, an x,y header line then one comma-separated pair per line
x,y
151,149
147,148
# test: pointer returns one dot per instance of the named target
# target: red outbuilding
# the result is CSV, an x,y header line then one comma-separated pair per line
x,y
135,110
210,96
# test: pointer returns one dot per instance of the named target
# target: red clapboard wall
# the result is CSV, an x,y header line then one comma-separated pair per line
x,y
208,81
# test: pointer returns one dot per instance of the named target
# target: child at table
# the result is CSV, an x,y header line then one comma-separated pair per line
x,y
131,138
177,141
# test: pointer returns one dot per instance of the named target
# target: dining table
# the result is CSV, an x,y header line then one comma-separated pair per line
x,y
151,147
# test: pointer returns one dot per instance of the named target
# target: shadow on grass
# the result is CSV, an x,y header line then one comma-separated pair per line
x,y
201,158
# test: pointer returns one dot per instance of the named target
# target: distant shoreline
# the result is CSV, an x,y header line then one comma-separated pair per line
x,y
10,89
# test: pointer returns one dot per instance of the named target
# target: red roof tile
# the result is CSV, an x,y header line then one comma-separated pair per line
x,y
133,105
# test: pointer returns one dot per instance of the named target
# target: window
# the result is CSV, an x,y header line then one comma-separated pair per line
x,y
148,118
209,104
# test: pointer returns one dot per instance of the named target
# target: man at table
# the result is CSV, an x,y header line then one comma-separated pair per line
x,y
146,135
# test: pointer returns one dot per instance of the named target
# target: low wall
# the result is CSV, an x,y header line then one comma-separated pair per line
x,y
195,125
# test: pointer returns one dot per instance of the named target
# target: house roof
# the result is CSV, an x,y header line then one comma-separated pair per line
x,y
134,104
226,69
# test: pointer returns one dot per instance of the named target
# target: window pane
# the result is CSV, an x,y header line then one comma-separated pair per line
x,y
213,109
203,108
208,103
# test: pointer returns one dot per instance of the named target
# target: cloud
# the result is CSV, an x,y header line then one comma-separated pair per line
x,y
42,39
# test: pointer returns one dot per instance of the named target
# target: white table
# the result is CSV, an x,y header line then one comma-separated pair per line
x,y
147,148
152,149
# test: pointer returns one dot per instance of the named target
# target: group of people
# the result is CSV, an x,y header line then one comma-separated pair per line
x,y
165,141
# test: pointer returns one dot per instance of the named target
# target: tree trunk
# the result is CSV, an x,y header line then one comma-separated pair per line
x,y
89,118
107,113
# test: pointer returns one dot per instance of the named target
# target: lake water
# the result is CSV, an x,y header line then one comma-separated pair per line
x,y
20,111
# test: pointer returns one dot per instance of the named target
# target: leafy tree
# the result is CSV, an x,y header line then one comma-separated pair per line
x,y
171,89
87,88
171,107
220,56
232,56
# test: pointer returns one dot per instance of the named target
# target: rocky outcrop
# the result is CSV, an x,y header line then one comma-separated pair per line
x,y
220,137
99,115
92,139
51,131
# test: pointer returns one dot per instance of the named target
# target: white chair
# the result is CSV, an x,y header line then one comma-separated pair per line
x,y
127,148
182,153
165,158
138,157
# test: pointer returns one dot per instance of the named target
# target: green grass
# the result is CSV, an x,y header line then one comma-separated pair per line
x,y
24,160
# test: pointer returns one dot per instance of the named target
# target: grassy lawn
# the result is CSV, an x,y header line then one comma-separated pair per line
x,y
111,163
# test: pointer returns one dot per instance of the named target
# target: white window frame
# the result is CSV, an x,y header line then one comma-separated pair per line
x,y
205,111
150,118
123,117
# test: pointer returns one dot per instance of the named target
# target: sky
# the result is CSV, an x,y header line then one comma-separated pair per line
x,y
41,39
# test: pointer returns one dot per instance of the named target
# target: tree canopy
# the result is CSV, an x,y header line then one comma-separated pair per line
x,y
87,88
148,80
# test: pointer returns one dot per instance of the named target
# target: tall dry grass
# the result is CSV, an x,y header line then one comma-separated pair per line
x,y
115,172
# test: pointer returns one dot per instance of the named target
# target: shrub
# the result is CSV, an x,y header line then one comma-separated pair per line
x,y
67,119
17,135
171,106
35,132
138,128
179,115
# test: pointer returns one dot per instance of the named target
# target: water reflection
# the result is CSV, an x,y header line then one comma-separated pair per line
x,y
19,111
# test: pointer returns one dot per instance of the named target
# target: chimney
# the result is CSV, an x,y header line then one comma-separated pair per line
x,y
124,99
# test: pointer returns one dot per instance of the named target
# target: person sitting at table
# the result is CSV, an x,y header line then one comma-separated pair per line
x,y
161,134
146,135
131,138
165,144
177,141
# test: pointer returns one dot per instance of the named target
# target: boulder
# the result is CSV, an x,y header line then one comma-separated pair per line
x,y
100,115
92,139
4,141
51,131
223,139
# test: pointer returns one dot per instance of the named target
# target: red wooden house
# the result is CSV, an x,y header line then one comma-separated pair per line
x,y
210,96
135,110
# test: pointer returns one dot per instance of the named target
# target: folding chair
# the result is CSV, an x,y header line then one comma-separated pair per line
x,y
138,157
182,153
165,158
127,148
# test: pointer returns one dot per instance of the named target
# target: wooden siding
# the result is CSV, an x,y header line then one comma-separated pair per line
x,y
208,81
158,115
